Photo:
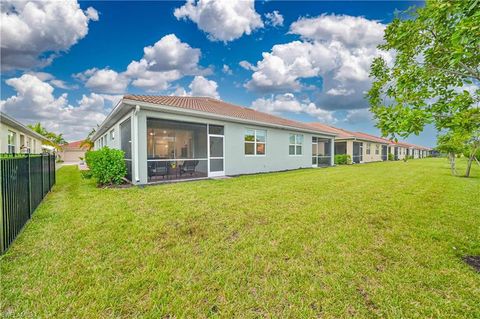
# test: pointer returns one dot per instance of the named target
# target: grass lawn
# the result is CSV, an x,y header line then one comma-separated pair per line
x,y
374,240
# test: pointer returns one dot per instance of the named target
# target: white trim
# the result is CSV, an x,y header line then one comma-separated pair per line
x,y
216,173
135,156
254,142
295,144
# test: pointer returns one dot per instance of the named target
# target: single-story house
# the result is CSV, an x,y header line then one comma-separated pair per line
x,y
362,147
173,137
73,152
18,138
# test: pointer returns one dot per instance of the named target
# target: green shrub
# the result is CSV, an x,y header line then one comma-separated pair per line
x,y
106,165
391,157
343,159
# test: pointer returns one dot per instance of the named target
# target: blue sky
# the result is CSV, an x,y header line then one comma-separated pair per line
x,y
302,60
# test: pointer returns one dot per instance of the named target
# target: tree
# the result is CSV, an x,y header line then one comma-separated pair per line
x,y
88,142
434,77
452,144
55,140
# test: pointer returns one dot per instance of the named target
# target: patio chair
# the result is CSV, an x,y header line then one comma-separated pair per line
x,y
157,169
188,167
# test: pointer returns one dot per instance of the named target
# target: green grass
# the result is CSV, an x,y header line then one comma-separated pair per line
x,y
376,240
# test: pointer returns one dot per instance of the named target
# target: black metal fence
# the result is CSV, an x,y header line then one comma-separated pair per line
x,y
25,180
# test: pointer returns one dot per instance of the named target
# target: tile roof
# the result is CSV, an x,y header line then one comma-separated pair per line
x,y
341,133
74,145
344,134
214,106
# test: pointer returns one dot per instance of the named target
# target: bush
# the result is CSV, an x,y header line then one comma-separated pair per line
x,y
106,165
343,159
391,157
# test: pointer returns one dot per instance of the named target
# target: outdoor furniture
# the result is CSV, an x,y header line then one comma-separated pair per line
x,y
156,169
188,167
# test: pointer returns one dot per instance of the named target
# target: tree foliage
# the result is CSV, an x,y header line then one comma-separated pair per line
x,y
435,72
55,140
88,142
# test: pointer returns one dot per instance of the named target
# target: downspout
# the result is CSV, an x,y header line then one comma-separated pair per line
x,y
135,139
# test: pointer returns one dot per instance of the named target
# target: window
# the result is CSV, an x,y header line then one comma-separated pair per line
x,y
368,148
215,129
11,141
29,145
112,135
34,146
295,144
255,142
377,149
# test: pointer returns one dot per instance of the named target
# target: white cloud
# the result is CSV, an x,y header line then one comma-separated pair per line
x,y
351,31
32,30
283,67
51,79
289,103
35,102
226,69
104,80
169,53
201,86
222,20
168,60
247,65
337,50
340,92
275,19
359,116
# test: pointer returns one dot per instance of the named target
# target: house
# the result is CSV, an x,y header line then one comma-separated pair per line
x,y
18,138
402,149
73,152
173,137
361,147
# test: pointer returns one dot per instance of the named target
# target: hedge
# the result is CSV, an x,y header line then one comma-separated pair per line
x,y
106,165
343,159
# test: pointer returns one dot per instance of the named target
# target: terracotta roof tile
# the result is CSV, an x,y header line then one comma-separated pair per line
x,y
341,133
74,145
214,106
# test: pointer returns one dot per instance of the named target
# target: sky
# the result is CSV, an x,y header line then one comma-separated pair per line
x,y
66,63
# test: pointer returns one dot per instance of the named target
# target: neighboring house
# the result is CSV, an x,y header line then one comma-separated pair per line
x,y
401,150
72,152
18,138
361,147
171,137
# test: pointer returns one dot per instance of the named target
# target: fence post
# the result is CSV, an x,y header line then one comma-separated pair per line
x,y
49,177
41,156
2,219
29,187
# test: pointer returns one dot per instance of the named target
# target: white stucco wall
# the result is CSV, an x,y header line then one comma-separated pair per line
x,y
35,147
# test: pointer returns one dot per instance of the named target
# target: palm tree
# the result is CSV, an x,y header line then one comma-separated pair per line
x,y
55,140
88,142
